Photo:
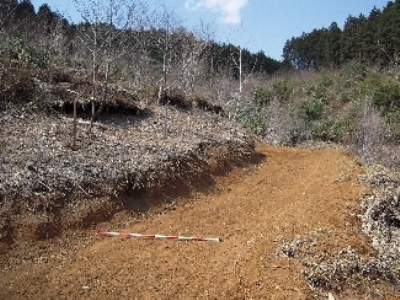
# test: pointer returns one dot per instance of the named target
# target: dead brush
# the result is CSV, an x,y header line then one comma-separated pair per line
x,y
343,269
16,85
177,99
299,247
381,219
346,268
188,102
325,271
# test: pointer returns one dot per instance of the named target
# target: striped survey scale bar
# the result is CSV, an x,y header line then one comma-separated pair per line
x,y
160,236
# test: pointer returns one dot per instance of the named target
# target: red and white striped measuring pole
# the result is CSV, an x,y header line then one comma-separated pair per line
x,y
160,237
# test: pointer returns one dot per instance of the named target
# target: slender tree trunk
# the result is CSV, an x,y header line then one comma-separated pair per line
x,y
164,94
94,67
74,148
105,91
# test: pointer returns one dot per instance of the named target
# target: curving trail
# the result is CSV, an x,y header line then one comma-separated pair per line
x,y
292,192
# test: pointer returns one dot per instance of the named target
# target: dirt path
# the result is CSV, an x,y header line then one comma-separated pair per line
x,y
293,192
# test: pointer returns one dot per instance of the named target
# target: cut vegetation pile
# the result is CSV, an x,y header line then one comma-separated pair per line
x,y
156,147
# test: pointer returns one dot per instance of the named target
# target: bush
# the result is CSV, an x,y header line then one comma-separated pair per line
x,y
261,96
282,90
319,89
252,118
371,133
387,97
313,108
353,73
330,130
285,124
316,91
16,49
393,120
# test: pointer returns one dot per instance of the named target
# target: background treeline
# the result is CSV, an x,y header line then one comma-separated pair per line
x,y
147,40
373,39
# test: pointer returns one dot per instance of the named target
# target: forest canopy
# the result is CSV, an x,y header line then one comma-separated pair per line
x,y
372,39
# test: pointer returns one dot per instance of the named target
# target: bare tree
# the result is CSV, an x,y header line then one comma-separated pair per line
x,y
51,34
372,127
168,23
191,56
142,41
102,34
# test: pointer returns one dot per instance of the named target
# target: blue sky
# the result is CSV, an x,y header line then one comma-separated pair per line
x,y
254,24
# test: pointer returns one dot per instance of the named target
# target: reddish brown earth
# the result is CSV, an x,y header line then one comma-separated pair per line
x,y
291,192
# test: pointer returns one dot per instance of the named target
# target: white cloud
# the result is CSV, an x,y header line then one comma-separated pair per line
x,y
228,9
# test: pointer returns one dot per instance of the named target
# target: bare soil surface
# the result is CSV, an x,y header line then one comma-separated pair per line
x,y
289,192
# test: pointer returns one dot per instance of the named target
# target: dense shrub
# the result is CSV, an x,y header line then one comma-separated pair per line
x,y
387,97
313,108
16,49
393,121
252,118
317,91
261,96
335,130
282,90
353,73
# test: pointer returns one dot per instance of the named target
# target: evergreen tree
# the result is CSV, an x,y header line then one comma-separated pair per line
x,y
24,10
374,53
333,45
391,31
374,40
46,18
350,39
7,10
